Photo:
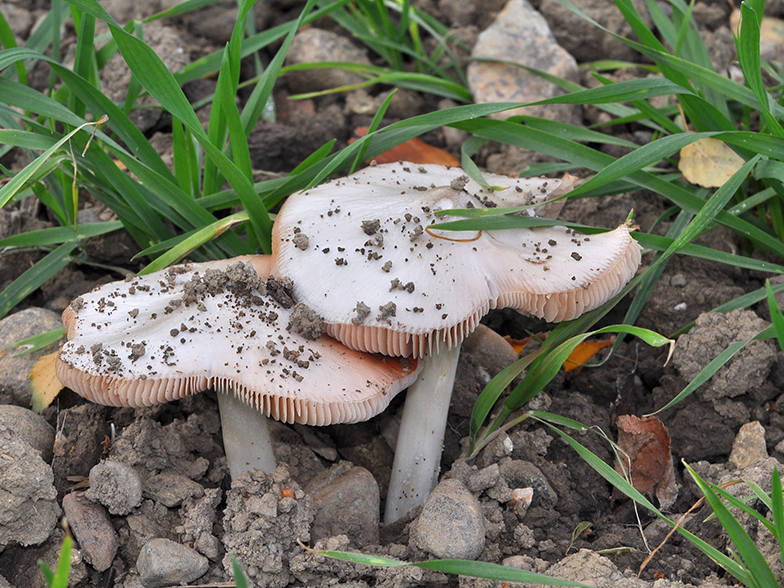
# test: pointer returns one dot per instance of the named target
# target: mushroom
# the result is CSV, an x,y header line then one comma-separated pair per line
x,y
363,255
224,325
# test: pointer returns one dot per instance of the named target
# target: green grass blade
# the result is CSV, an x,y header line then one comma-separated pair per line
x,y
775,315
754,561
57,235
37,342
34,278
374,124
777,508
749,56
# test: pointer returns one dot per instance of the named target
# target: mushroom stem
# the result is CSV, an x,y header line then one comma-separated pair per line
x,y
421,436
246,438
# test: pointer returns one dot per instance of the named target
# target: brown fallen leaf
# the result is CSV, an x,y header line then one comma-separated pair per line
x,y
44,382
709,163
414,150
646,443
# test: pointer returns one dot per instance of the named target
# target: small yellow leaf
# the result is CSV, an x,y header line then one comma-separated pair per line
x,y
44,382
709,163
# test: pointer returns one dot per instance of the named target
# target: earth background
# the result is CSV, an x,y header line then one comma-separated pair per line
x,y
160,473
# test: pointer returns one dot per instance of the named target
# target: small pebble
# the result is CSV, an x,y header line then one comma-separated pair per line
x,y
484,478
749,447
93,530
165,563
452,524
348,505
116,486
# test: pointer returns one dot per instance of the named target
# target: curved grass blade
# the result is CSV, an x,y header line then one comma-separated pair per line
x,y
57,235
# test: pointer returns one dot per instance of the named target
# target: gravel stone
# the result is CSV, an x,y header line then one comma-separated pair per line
x,y
14,371
23,423
348,504
116,486
521,35
452,524
93,530
29,510
748,449
163,562
484,478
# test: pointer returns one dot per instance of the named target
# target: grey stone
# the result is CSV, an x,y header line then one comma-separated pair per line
x,y
24,424
484,478
348,504
311,45
29,510
451,524
20,20
163,562
92,529
593,43
171,489
5,583
712,334
523,474
116,486
521,35
748,449
14,371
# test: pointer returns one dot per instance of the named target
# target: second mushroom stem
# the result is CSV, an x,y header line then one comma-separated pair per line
x,y
421,436
246,438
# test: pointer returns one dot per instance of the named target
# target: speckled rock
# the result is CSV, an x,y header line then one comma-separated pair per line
x,y
311,45
748,449
92,529
116,486
712,334
14,371
18,422
521,35
29,510
165,563
451,524
346,502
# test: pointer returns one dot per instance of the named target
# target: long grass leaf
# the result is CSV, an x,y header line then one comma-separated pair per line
x,y
34,278
57,235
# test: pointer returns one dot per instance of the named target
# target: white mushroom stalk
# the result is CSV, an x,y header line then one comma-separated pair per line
x,y
228,326
361,254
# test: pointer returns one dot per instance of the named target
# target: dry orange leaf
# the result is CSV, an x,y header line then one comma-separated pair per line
x,y
646,444
585,351
44,382
709,163
582,353
414,150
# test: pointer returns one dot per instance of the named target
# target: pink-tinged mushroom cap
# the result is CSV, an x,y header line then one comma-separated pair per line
x,y
362,255
155,338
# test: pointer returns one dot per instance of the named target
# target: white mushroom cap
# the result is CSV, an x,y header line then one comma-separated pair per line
x,y
217,325
359,253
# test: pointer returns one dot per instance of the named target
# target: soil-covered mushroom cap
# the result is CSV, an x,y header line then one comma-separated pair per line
x,y
383,281
220,325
